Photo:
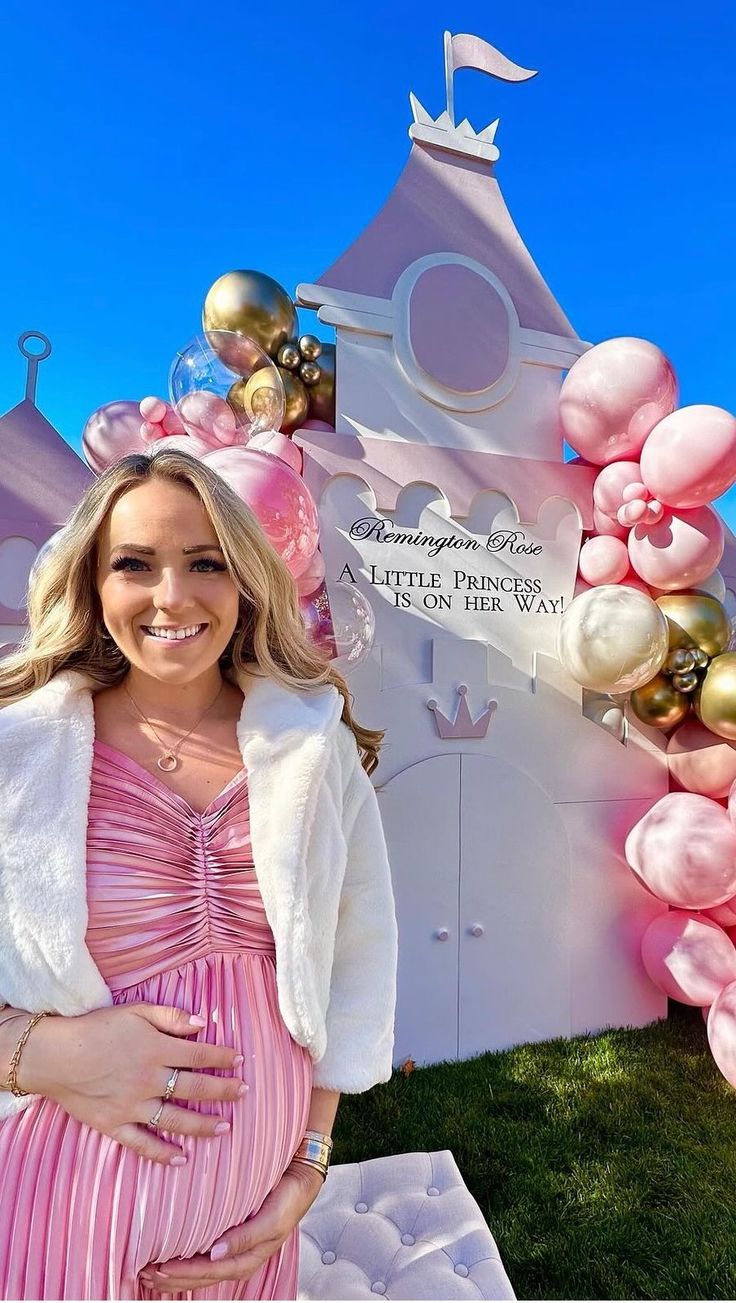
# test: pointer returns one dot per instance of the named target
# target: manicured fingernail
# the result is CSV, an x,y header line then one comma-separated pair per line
x,y
178,1161
243,1088
238,1060
197,1021
163,1275
221,1128
218,1252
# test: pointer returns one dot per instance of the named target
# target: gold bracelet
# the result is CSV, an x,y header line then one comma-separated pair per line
x,y
309,1163
12,1082
315,1149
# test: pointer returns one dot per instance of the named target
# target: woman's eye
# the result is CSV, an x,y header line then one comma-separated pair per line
x,y
127,562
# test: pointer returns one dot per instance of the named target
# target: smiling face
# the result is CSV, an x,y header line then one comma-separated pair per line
x,y
160,568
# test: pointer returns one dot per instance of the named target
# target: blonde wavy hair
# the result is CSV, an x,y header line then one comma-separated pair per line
x,y
65,629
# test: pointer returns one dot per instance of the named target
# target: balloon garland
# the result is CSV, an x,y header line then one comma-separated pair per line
x,y
649,620
237,391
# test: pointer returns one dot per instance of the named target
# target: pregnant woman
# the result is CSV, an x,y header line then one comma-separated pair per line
x,y
197,932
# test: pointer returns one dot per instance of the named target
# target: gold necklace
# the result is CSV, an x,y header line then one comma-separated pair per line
x,y
170,760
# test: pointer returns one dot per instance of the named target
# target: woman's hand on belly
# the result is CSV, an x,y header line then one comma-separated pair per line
x,y
109,1069
245,1247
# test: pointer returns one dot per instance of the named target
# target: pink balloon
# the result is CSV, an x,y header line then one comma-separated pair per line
x,y
179,443
722,1031
604,524
700,761
313,576
613,396
688,956
690,456
279,445
634,491
603,560
209,418
318,425
631,513
277,496
112,432
724,914
611,484
632,580
679,551
152,409
684,851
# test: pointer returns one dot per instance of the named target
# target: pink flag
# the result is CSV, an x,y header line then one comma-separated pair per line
x,y
471,52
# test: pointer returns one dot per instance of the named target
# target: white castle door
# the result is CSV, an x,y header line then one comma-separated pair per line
x,y
482,965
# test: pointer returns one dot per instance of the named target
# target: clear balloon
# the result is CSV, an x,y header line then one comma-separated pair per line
x,y
689,957
277,496
279,445
612,639
352,620
221,365
684,851
679,551
690,456
613,396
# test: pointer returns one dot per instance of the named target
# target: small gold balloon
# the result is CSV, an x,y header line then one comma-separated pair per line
x,y
310,347
715,701
681,660
701,658
252,304
259,399
659,704
310,373
289,356
297,401
322,395
695,620
686,682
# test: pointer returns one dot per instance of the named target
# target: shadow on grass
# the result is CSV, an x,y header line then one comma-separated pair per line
x,y
605,1165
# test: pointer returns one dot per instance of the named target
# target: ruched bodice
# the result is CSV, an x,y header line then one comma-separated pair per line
x,y
175,918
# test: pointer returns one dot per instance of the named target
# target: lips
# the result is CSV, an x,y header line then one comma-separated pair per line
x,y
172,638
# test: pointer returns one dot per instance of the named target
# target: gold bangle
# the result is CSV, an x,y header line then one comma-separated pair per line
x,y
309,1162
12,1082
316,1150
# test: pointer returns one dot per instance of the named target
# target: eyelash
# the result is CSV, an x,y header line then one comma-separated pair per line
x,y
122,563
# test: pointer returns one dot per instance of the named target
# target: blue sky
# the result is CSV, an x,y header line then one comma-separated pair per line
x,y
148,149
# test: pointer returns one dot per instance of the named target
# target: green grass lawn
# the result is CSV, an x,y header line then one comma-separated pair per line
x,y
605,1165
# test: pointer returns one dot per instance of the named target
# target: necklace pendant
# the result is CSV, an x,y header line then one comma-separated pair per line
x,y
168,762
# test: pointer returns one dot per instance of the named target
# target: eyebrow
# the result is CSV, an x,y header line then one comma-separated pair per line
x,y
151,551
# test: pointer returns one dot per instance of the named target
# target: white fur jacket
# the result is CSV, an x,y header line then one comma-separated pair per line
x,y
318,847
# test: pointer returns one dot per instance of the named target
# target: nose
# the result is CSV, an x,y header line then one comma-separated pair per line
x,y
171,591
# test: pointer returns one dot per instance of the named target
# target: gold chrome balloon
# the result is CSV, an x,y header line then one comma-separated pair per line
x,y
686,682
659,704
701,658
695,620
310,373
297,401
289,356
252,304
715,702
322,395
259,399
681,660
310,347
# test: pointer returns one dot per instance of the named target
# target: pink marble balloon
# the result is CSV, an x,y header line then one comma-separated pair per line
x,y
603,560
279,445
690,456
112,432
679,551
688,956
684,851
210,419
722,1031
604,524
311,578
724,914
277,496
613,396
611,485
700,761
179,443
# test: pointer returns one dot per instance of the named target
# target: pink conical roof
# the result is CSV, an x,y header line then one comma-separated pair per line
x,y
41,477
447,203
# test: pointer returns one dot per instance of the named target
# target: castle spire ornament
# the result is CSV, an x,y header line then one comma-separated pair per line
x,y
462,726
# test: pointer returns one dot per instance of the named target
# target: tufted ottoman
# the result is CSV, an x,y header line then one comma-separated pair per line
x,y
404,1227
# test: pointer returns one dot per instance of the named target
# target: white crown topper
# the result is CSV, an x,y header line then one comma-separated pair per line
x,y
462,725
460,139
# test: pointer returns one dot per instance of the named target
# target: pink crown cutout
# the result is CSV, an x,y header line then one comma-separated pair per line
x,y
462,725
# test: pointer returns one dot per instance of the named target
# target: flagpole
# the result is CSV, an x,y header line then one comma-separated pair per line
x,y
448,78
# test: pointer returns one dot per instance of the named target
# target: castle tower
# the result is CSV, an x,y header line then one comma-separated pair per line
x,y
444,496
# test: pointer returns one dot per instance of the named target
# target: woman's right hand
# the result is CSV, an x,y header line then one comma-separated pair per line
x,y
109,1069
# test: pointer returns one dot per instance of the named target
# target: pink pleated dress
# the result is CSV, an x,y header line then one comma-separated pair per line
x,y
175,918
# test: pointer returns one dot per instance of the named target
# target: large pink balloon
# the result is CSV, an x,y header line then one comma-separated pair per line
x,y
279,445
604,524
690,457
680,550
613,396
700,761
278,497
603,560
611,483
684,851
688,956
112,432
722,1031
724,914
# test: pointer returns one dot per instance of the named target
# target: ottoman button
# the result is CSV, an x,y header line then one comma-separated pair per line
x,y
328,1257
361,1207
461,1269
379,1287
433,1190
408,1239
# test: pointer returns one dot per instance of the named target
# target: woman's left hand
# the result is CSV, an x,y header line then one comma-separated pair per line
x,y
249,1245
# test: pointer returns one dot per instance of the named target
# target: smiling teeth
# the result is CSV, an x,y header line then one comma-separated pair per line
x,y
178,634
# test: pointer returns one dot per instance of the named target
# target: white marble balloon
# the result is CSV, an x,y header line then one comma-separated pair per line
x,y
613,639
